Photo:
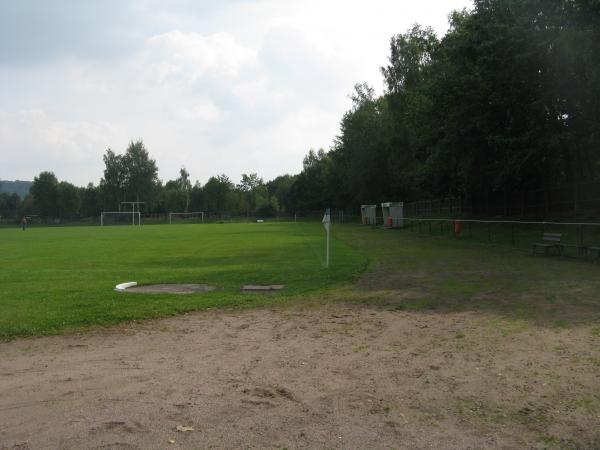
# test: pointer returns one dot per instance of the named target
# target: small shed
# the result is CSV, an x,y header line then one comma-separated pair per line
x,y
368,214
393,214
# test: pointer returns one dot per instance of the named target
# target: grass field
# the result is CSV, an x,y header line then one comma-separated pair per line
x,y
52,279
443,273
410,340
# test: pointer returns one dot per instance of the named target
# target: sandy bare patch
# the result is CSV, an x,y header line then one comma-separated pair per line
x,y
337,376
172,288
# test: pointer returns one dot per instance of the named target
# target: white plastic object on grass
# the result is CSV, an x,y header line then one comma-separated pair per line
x,y
259,220
123,286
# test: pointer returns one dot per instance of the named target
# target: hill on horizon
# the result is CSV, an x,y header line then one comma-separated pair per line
x,y
19,187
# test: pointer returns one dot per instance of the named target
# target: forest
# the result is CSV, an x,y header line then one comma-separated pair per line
x,y
505,104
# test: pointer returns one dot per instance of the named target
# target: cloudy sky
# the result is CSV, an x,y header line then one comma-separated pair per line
x,y
231,87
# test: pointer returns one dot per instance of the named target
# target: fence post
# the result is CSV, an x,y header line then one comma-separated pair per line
x,y
489,232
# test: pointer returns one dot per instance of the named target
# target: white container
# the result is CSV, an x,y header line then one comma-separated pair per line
x,y
393,214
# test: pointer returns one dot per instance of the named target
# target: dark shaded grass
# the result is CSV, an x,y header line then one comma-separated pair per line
x,y
442,273
520,235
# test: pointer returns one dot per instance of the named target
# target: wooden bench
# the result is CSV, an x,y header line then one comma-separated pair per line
x,y
549,241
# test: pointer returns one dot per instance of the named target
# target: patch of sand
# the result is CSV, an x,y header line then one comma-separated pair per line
x,y
337,376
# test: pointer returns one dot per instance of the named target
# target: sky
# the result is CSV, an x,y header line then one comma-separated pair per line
x,y
230,86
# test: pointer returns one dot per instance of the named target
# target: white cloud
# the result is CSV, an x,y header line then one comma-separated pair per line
x,y
202,112
43,143
190,56
232,87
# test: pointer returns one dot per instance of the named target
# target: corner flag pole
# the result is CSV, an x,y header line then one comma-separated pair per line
x,y
327,224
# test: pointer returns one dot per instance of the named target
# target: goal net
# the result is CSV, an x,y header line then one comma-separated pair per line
x,y
186,217
120,218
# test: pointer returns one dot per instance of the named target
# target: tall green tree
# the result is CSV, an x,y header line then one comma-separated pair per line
x,y
9,205
140,173
91,201
253,193
68,201
45,194
411,55
219,194
279,189
113,183
185,186
309,191
197,202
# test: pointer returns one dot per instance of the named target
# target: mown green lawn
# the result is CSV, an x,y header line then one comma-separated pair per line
x,y
58,278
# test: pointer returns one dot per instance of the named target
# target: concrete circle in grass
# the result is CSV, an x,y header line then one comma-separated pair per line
x,y
185,288
262,287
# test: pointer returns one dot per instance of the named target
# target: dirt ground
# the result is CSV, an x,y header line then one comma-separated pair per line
x,y
338,375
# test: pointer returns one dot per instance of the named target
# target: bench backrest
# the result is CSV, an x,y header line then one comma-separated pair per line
x,y
552,237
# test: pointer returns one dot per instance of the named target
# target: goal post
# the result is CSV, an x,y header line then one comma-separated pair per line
x,y
134,205
124,215
186,215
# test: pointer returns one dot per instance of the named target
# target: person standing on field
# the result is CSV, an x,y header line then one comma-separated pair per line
x,y
24,223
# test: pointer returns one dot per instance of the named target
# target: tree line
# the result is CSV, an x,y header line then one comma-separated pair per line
x,y
133,176
507,101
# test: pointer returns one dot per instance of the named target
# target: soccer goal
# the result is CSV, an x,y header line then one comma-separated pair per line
x,y
120,218
186,215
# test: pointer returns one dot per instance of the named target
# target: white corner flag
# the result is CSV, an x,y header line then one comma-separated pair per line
x,y
327,224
